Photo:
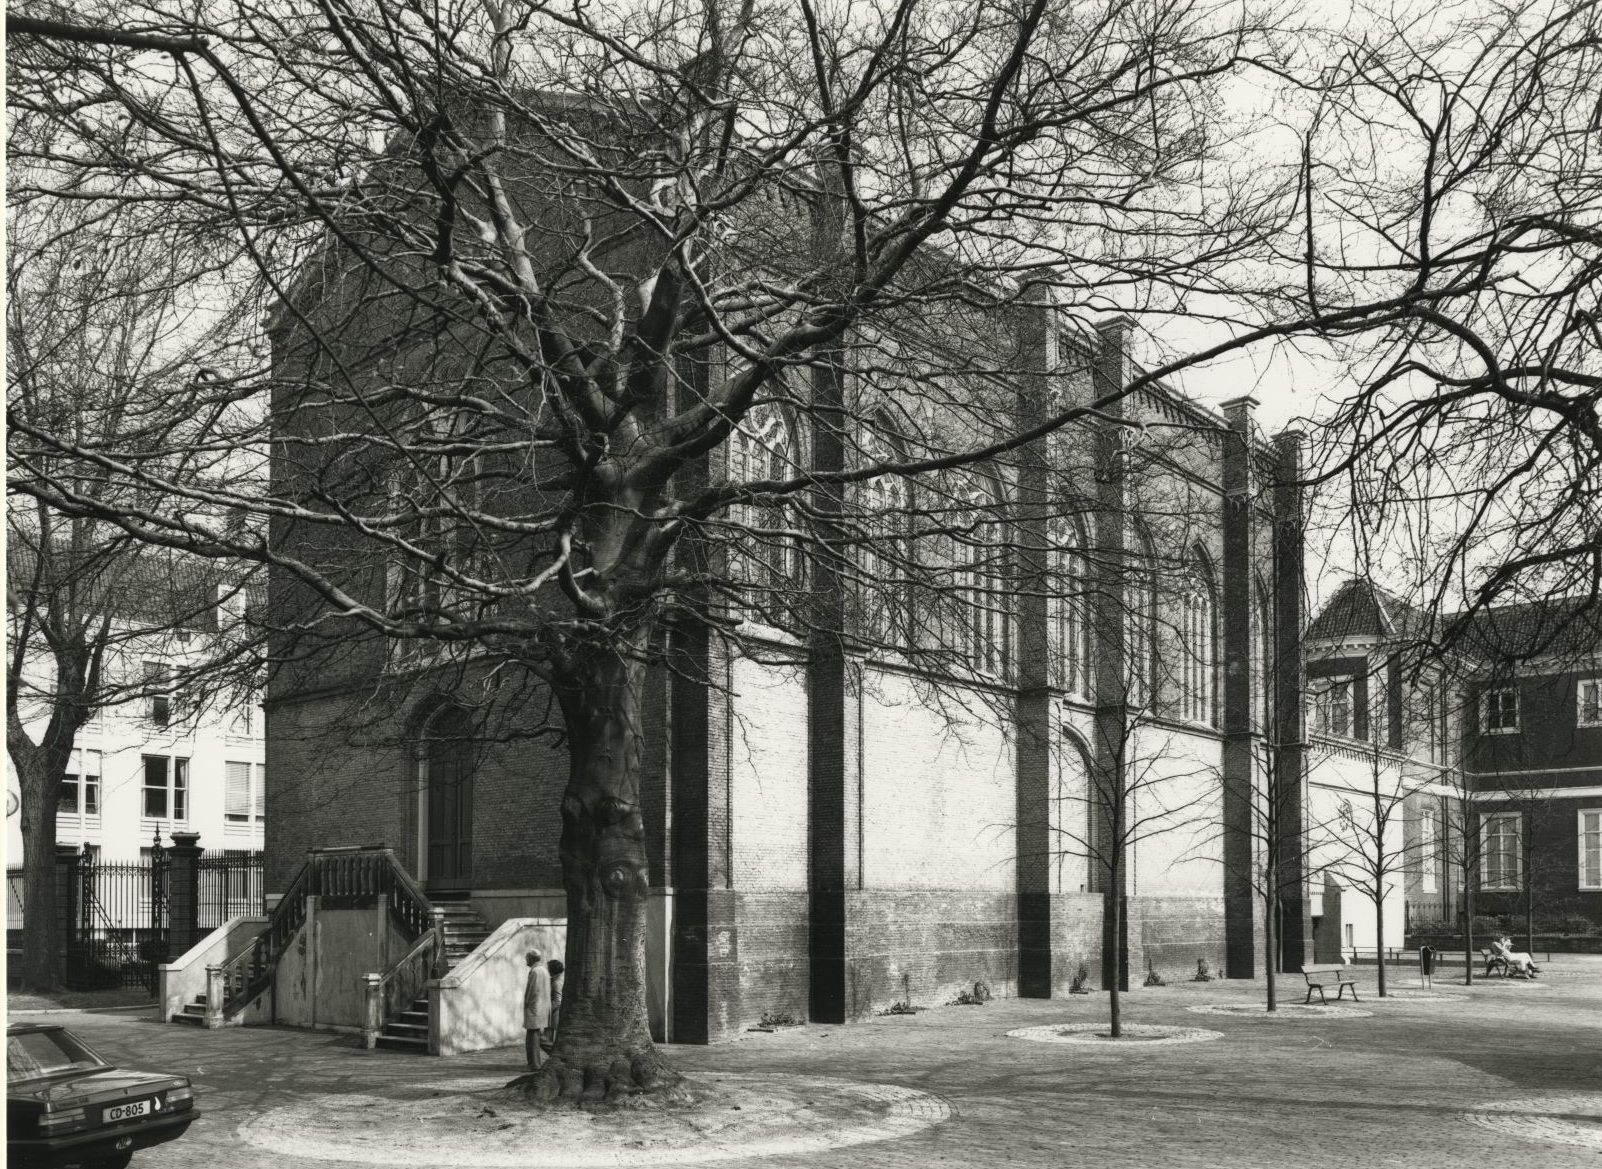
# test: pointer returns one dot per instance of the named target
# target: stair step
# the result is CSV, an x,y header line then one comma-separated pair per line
x,y
406,1030
398,1043
191,1020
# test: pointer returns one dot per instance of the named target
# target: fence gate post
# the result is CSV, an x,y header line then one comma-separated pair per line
x,y
68,878
183,892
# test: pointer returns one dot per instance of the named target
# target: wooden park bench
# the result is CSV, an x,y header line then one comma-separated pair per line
x,y
1494,962
1322,974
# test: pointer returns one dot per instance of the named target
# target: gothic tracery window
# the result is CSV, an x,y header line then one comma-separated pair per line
x,y
1069,608
766,561
1198,641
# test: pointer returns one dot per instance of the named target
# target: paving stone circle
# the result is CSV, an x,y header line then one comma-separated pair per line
x,y
463,1121
1564,1120
1136,1035
1285,1012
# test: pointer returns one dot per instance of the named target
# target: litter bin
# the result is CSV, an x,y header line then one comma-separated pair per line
x,y
1426,963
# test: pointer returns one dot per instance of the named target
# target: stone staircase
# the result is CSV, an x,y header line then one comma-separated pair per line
x,y
464,930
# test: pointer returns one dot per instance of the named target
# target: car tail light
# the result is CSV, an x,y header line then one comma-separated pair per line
x,y
67,1120
179,1098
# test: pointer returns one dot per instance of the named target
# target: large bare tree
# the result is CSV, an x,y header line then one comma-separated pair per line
x,y
589,324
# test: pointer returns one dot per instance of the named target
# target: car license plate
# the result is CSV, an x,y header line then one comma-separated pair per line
x,y
128,1111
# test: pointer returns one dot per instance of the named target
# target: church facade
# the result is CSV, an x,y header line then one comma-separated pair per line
x,y
834,826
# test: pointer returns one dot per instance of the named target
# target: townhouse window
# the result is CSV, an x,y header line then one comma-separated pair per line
x,y
80,787
244,794
1334,703
1430,716
1589,713
166,787
1591,848
158,707
1501,850
1499,711
1428,850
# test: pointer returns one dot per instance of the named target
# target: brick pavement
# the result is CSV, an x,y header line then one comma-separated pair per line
x,y
1393,1089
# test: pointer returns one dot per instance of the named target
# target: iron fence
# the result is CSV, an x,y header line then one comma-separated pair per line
x,y
231,882
13,908
121,926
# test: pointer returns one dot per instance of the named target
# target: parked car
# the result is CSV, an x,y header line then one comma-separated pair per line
x,y
65,1105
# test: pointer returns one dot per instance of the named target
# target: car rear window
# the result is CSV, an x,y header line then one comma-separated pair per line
x,y
35,1054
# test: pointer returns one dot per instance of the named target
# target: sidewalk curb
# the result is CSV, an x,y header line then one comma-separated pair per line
x,y
80,1010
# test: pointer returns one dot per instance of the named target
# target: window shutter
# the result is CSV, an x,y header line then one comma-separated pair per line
x,y
237,791
259,802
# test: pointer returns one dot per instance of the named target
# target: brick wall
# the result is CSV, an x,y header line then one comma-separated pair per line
x,y
344,771
1171,933
929,943
1075,938
329,786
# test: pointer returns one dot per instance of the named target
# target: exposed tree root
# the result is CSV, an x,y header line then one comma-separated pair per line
x,y
600,1084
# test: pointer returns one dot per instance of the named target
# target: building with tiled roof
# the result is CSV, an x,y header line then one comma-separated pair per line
x,y
1498,735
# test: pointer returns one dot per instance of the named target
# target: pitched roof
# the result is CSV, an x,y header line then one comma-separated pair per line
x,y
1360,608
1563,627
1555,627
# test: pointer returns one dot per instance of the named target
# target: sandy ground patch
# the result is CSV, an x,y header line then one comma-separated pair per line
x,y
1284,1012
1566,1120
1136,1036
476,1122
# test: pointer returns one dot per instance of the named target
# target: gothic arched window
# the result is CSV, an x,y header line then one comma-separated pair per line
x,y
1068,608
1140,618
766,561
1198,633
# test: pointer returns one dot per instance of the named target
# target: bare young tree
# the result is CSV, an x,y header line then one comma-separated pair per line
x,y
99,332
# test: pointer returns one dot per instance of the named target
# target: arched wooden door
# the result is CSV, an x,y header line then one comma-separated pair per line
x,y
448,800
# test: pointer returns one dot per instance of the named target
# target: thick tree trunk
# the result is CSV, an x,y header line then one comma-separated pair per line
x,y
604,1047
42,929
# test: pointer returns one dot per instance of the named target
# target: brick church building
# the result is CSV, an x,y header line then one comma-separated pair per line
x,y
831,833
